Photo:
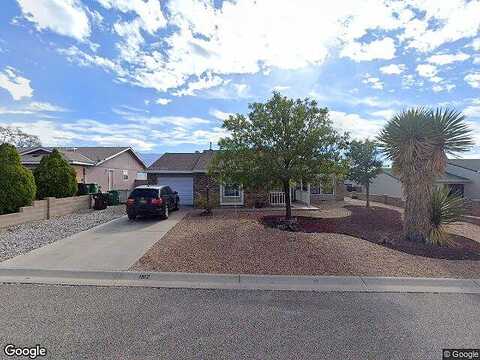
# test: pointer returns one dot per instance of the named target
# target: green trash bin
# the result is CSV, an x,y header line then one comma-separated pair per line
x,y
93,188
113,198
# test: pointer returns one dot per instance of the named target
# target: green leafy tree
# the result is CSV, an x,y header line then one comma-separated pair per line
x,y
417,142
17,185
364,163
55,177
280,142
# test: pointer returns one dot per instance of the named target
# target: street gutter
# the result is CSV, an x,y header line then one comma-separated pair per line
x,y
240,281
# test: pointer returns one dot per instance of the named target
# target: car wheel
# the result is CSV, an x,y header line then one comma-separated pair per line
x,y
132,216
176,205
165,212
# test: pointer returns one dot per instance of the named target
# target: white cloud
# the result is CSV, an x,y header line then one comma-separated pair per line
x,y
50,133
202,83
34,107
393,69
163,101
65,17
192,40
473,79
75,55
18,86
220,115
444,59
209,40
454,19
357,126
475,44
427,70
378,49
281,88
472,111
374,82
443,87
384,114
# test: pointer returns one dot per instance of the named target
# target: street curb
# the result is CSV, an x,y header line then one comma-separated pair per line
x,y
240,281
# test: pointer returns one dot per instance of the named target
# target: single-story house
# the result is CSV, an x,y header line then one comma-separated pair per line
x,y
186,173
461,177
113,168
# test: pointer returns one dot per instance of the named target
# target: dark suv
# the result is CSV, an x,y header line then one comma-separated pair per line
x,y
152,200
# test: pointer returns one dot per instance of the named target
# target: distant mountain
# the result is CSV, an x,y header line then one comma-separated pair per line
x,y
149,158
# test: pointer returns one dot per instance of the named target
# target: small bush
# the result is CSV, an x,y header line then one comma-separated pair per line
x,y
17,185
55,177
206,202
446,209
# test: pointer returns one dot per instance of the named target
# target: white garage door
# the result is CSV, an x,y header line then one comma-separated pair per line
x,y
182,185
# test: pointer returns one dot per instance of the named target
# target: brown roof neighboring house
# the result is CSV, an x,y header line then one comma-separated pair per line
x,y
86,155
196,162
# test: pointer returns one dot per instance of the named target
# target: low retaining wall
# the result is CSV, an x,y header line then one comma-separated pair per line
x,y
46,209
384,199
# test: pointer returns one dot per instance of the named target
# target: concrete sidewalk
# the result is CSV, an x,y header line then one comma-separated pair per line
x,y
241,281
115,245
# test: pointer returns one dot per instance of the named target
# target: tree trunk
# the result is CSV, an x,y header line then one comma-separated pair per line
x,y
368,195
418,210
288,203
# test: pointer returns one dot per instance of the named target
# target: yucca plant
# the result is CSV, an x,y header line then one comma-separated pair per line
x,y
446,209
417,142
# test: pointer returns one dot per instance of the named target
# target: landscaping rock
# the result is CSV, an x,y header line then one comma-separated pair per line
x,y
23,238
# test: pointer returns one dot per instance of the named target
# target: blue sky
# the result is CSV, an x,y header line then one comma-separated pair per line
x,y
160,75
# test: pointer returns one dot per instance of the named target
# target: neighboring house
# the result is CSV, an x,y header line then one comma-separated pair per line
x,y
458,178
186,173
113,168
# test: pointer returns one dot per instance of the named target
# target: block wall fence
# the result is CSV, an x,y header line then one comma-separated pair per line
x,y
46,209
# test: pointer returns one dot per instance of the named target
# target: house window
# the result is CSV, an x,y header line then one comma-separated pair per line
x,y
125,175
231,190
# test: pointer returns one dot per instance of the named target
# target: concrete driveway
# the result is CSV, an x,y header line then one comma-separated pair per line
x,y
115,245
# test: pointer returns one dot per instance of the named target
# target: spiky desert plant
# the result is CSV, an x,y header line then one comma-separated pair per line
x,y
417,142
446,209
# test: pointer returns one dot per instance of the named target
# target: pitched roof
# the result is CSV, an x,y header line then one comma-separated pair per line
x,y
92,155
470,164
447,177
70,156
183,162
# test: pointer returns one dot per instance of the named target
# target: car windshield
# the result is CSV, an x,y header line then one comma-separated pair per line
x,y
145,193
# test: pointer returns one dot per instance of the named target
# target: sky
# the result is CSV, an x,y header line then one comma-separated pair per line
x,y
161,75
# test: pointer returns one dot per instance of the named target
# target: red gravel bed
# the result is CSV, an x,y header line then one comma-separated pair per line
x,y
384,226
238,242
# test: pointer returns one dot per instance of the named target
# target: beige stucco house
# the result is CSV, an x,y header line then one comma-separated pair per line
x,y
113,168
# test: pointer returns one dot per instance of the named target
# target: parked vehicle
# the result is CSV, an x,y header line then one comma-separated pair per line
x,y
152,200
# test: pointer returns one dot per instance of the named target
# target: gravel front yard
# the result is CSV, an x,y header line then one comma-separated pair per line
x,y
22,238
238,242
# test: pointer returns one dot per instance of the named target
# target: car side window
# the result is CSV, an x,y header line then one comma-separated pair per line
x,y
163,191
169,191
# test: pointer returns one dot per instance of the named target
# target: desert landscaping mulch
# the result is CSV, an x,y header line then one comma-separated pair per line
x,y
384,226
239,242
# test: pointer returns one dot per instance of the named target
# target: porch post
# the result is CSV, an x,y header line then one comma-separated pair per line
x,y
308,197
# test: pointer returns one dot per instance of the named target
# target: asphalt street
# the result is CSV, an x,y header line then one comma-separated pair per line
x,y
87,322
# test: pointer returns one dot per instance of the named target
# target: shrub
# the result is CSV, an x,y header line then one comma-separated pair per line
x,y
446,209
55,177
17,185
206,202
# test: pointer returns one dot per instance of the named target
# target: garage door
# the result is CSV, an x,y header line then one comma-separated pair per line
x,y
182,185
